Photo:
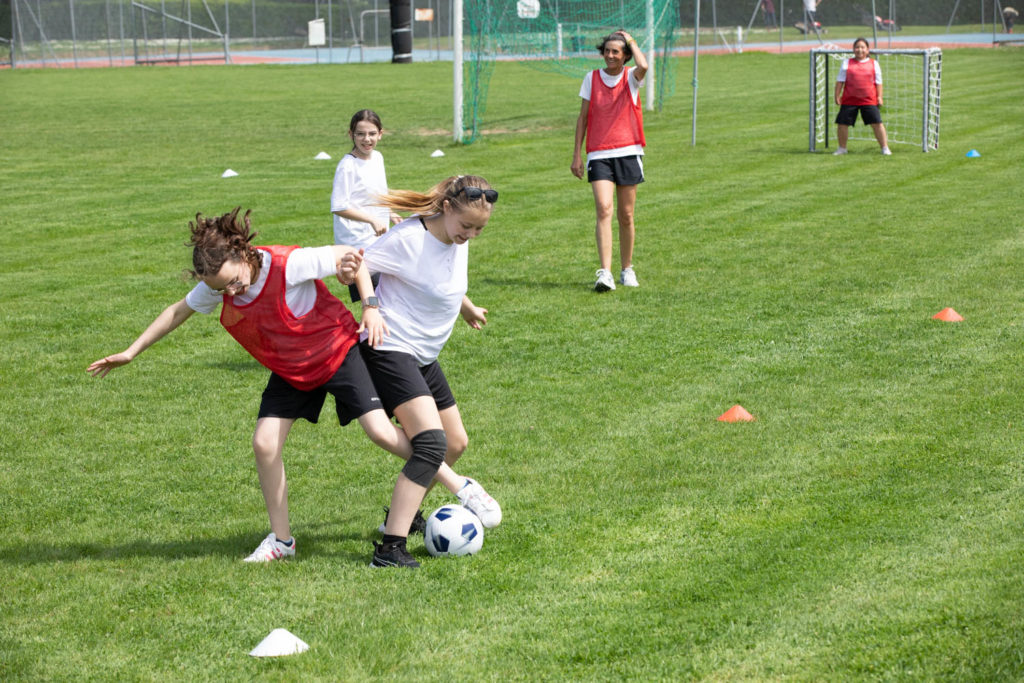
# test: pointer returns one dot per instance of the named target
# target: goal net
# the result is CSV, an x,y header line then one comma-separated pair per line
x,y
913,86
559,36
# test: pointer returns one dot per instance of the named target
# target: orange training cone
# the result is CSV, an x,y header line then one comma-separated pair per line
x,y
736,414
948,315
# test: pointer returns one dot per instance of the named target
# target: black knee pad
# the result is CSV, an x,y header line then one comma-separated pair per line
x,y
428,449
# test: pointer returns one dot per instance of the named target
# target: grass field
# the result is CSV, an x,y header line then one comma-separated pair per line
x,y
868,525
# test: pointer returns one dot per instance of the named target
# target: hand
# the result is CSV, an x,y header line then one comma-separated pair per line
x,y
629,38
378,228
101,367
577,167
395,218
475,316
348,266
373,323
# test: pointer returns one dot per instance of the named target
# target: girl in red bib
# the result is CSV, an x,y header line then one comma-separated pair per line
x,y
612,123
859,89
276,306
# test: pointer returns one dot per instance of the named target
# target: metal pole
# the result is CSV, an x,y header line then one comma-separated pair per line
x,y
74,37
874,24
696,46
924,109
782,21
227,33
811,118
650,55
457,70
17,36
892,18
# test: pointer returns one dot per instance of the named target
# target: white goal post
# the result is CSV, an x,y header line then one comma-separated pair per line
x,y
913,87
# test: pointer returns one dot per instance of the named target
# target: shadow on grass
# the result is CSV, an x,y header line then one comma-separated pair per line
x,y
311,543
528,282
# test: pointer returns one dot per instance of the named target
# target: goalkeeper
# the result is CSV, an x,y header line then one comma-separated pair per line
x,y
859,89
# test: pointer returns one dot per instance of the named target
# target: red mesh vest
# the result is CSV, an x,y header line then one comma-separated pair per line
x,y
305,351
860,88
612,119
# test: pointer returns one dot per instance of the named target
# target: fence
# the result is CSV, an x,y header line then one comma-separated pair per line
x,y
121,32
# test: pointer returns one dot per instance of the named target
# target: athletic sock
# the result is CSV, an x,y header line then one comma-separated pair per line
x,y
392,540
288,544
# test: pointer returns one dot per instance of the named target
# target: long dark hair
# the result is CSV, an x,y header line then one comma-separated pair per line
x,y
215,241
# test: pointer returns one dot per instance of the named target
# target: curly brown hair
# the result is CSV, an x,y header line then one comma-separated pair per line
x,y
215,241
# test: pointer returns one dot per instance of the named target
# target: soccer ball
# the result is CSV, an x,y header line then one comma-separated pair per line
x,y
453,530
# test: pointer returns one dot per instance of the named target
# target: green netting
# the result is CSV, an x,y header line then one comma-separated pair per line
x,y
559,36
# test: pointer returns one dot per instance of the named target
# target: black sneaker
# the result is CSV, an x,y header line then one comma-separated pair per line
x,y
418,526
393,555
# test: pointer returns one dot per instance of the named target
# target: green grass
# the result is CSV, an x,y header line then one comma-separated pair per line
x,y
868,525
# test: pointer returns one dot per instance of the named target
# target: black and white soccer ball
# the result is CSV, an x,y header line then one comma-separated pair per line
x,y
453,530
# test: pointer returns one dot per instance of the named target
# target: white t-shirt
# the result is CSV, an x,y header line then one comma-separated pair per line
x,y
422,282
357,184
611,82
841,78
810,5
304,266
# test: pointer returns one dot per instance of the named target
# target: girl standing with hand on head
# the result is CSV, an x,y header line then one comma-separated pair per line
x,y
275,305
423,266
612,123
358,181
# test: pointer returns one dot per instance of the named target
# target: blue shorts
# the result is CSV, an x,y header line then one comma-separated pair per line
x,y
619,170
400,378
353,390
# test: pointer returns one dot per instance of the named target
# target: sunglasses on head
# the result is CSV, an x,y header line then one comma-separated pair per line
x,y
473,193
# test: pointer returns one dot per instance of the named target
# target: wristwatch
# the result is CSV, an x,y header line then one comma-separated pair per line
x,y
371,302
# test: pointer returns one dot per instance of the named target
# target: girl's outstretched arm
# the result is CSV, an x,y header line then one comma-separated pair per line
x,y
165,323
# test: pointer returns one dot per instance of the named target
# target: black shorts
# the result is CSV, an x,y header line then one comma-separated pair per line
x,y
847,115
619,170
353,390
399,378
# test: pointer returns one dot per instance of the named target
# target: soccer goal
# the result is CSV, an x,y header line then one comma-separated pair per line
x,y
913,88
552,35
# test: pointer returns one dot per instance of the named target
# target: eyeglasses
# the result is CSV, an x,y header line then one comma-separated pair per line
x,y
232,287
473,193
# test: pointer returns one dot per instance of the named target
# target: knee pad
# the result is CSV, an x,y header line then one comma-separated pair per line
x,y
428,449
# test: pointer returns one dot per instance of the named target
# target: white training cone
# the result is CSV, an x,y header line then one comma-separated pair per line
x,y
437,153
322,155
228,174
281,642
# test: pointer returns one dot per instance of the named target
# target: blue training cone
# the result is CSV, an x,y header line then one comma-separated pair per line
x,y
973,154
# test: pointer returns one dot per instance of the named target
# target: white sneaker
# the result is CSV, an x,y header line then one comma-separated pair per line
x,y
604,281
271,549
839,152
473,496
886,152
628,278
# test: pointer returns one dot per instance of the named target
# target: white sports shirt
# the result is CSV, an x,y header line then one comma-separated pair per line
x,y
357,184
422,283
304,266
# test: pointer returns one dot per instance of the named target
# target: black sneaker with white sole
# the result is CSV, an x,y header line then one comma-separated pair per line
x,y
418,526
393,555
